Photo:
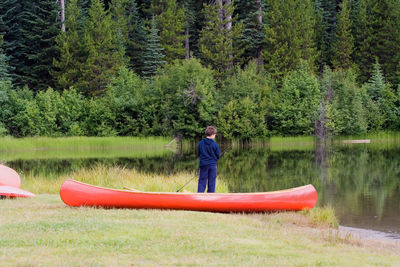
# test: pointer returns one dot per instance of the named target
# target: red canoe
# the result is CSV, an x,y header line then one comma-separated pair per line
x,y
77,194
13,192
9,177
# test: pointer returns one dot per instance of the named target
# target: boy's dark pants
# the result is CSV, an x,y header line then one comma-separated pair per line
x,y
207,174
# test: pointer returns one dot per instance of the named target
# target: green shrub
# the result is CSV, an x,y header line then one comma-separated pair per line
x,y
125,93
185,97
241,119
344,109
297,107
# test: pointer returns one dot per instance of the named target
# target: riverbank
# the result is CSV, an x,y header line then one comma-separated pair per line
x,y
44,231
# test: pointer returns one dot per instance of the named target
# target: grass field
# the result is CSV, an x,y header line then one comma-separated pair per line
x,y
45,232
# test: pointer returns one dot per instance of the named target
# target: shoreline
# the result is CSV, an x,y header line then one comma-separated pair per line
x,y
368,234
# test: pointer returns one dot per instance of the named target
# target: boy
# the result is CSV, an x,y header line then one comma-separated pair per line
x,y
209,153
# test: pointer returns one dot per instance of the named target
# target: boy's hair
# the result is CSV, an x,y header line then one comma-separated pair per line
x,y
211,130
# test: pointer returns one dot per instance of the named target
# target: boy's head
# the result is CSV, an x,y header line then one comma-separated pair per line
x,y
211,131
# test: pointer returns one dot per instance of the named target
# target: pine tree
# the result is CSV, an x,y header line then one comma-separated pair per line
x,y
40,27
10,28
250,14
289,36
359,31
70,48
153,57
104,54
377,34
4,70
171,23
218,41
342,49
327,21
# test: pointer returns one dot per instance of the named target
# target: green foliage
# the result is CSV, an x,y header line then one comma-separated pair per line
x,y
153,56
71,112
249,13
298,102
344,108
125,94
247,82
290,36
104,53
71,49
10,29
99,118
241,119
186,93
4,68
343,47
378,36
326,17
40,27
171,23
380,101
218,39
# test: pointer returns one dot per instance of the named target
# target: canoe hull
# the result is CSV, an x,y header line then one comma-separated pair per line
x,y
13,192
77,194
9,177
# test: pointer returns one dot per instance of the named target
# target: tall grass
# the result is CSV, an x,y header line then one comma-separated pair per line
x,y
118,177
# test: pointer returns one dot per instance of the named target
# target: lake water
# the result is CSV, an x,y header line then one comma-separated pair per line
x,y
360,181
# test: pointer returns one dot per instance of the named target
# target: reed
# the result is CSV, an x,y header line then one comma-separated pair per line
x,y
117,177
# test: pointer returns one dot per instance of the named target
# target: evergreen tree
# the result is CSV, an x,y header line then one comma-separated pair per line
x,y
250,13
381,101
131,27
70,48
342,49
10,28
326,29
345,113
104,53
380,21
218,41
171,23
359,32
297,107
4,70
40,27
289,36
153,57
137,38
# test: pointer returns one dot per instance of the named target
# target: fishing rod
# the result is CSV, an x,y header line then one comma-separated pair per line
x,y
196,175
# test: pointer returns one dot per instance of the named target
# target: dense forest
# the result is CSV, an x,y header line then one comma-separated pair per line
x,y
253,68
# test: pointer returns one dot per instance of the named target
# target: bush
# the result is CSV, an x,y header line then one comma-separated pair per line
x,y
71,113
344,109
241,119
125,93
185,97
297,107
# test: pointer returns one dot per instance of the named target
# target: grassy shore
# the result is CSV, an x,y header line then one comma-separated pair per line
x,y
45,232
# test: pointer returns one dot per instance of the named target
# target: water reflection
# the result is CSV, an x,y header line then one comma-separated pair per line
x,y
361,181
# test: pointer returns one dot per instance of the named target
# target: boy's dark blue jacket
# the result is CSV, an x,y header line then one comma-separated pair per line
x,y
209,152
